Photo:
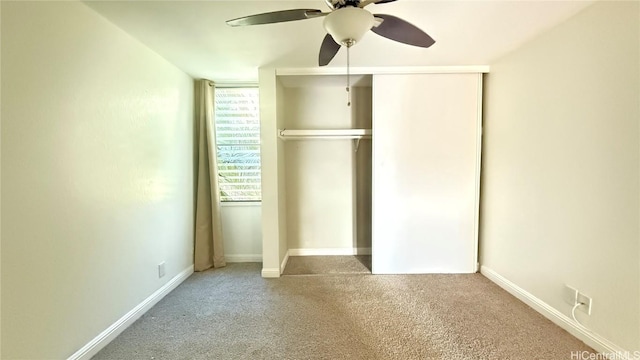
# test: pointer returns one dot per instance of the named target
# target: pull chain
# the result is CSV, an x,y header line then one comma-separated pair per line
x,y
348,78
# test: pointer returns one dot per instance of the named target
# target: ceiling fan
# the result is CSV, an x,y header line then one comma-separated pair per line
x,y
345,24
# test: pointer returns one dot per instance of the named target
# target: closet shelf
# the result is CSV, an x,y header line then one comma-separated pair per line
x,y
328,134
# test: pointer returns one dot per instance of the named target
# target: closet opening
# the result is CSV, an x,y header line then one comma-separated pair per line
x,y
327,167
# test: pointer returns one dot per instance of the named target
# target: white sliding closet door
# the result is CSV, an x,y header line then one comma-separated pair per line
x,y
425,173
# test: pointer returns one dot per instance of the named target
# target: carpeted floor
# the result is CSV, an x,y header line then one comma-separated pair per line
x,y
326,265
233,313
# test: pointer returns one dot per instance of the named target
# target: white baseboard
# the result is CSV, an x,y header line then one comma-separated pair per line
x,y
270,272
105,337
596,341
284,262
240,258
329,251
276,272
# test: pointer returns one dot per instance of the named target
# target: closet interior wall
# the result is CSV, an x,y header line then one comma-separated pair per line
x,y
328,182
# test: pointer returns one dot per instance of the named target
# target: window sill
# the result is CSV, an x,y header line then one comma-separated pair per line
x,y
241,203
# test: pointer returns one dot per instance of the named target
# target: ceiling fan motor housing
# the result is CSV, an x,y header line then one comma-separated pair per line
x,y
337,4
348,25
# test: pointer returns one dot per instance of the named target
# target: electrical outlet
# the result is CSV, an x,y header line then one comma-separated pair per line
x,y
161,269
570,295
584,299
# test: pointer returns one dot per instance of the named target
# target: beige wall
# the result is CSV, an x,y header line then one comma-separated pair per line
x,y
560,193
281,170
0,191
242,231
97,185
326,180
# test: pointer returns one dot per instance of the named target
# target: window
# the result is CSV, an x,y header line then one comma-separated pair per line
x,y
238,143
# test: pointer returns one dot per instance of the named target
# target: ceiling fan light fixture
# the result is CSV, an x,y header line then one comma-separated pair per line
x,y
348,25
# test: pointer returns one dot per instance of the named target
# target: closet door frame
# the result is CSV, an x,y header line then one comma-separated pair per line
x,y
275,251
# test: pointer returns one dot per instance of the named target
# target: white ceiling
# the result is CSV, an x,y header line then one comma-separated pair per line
x,y
193,34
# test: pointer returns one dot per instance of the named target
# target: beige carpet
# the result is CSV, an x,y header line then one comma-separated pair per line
x,y
233,313
325,265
